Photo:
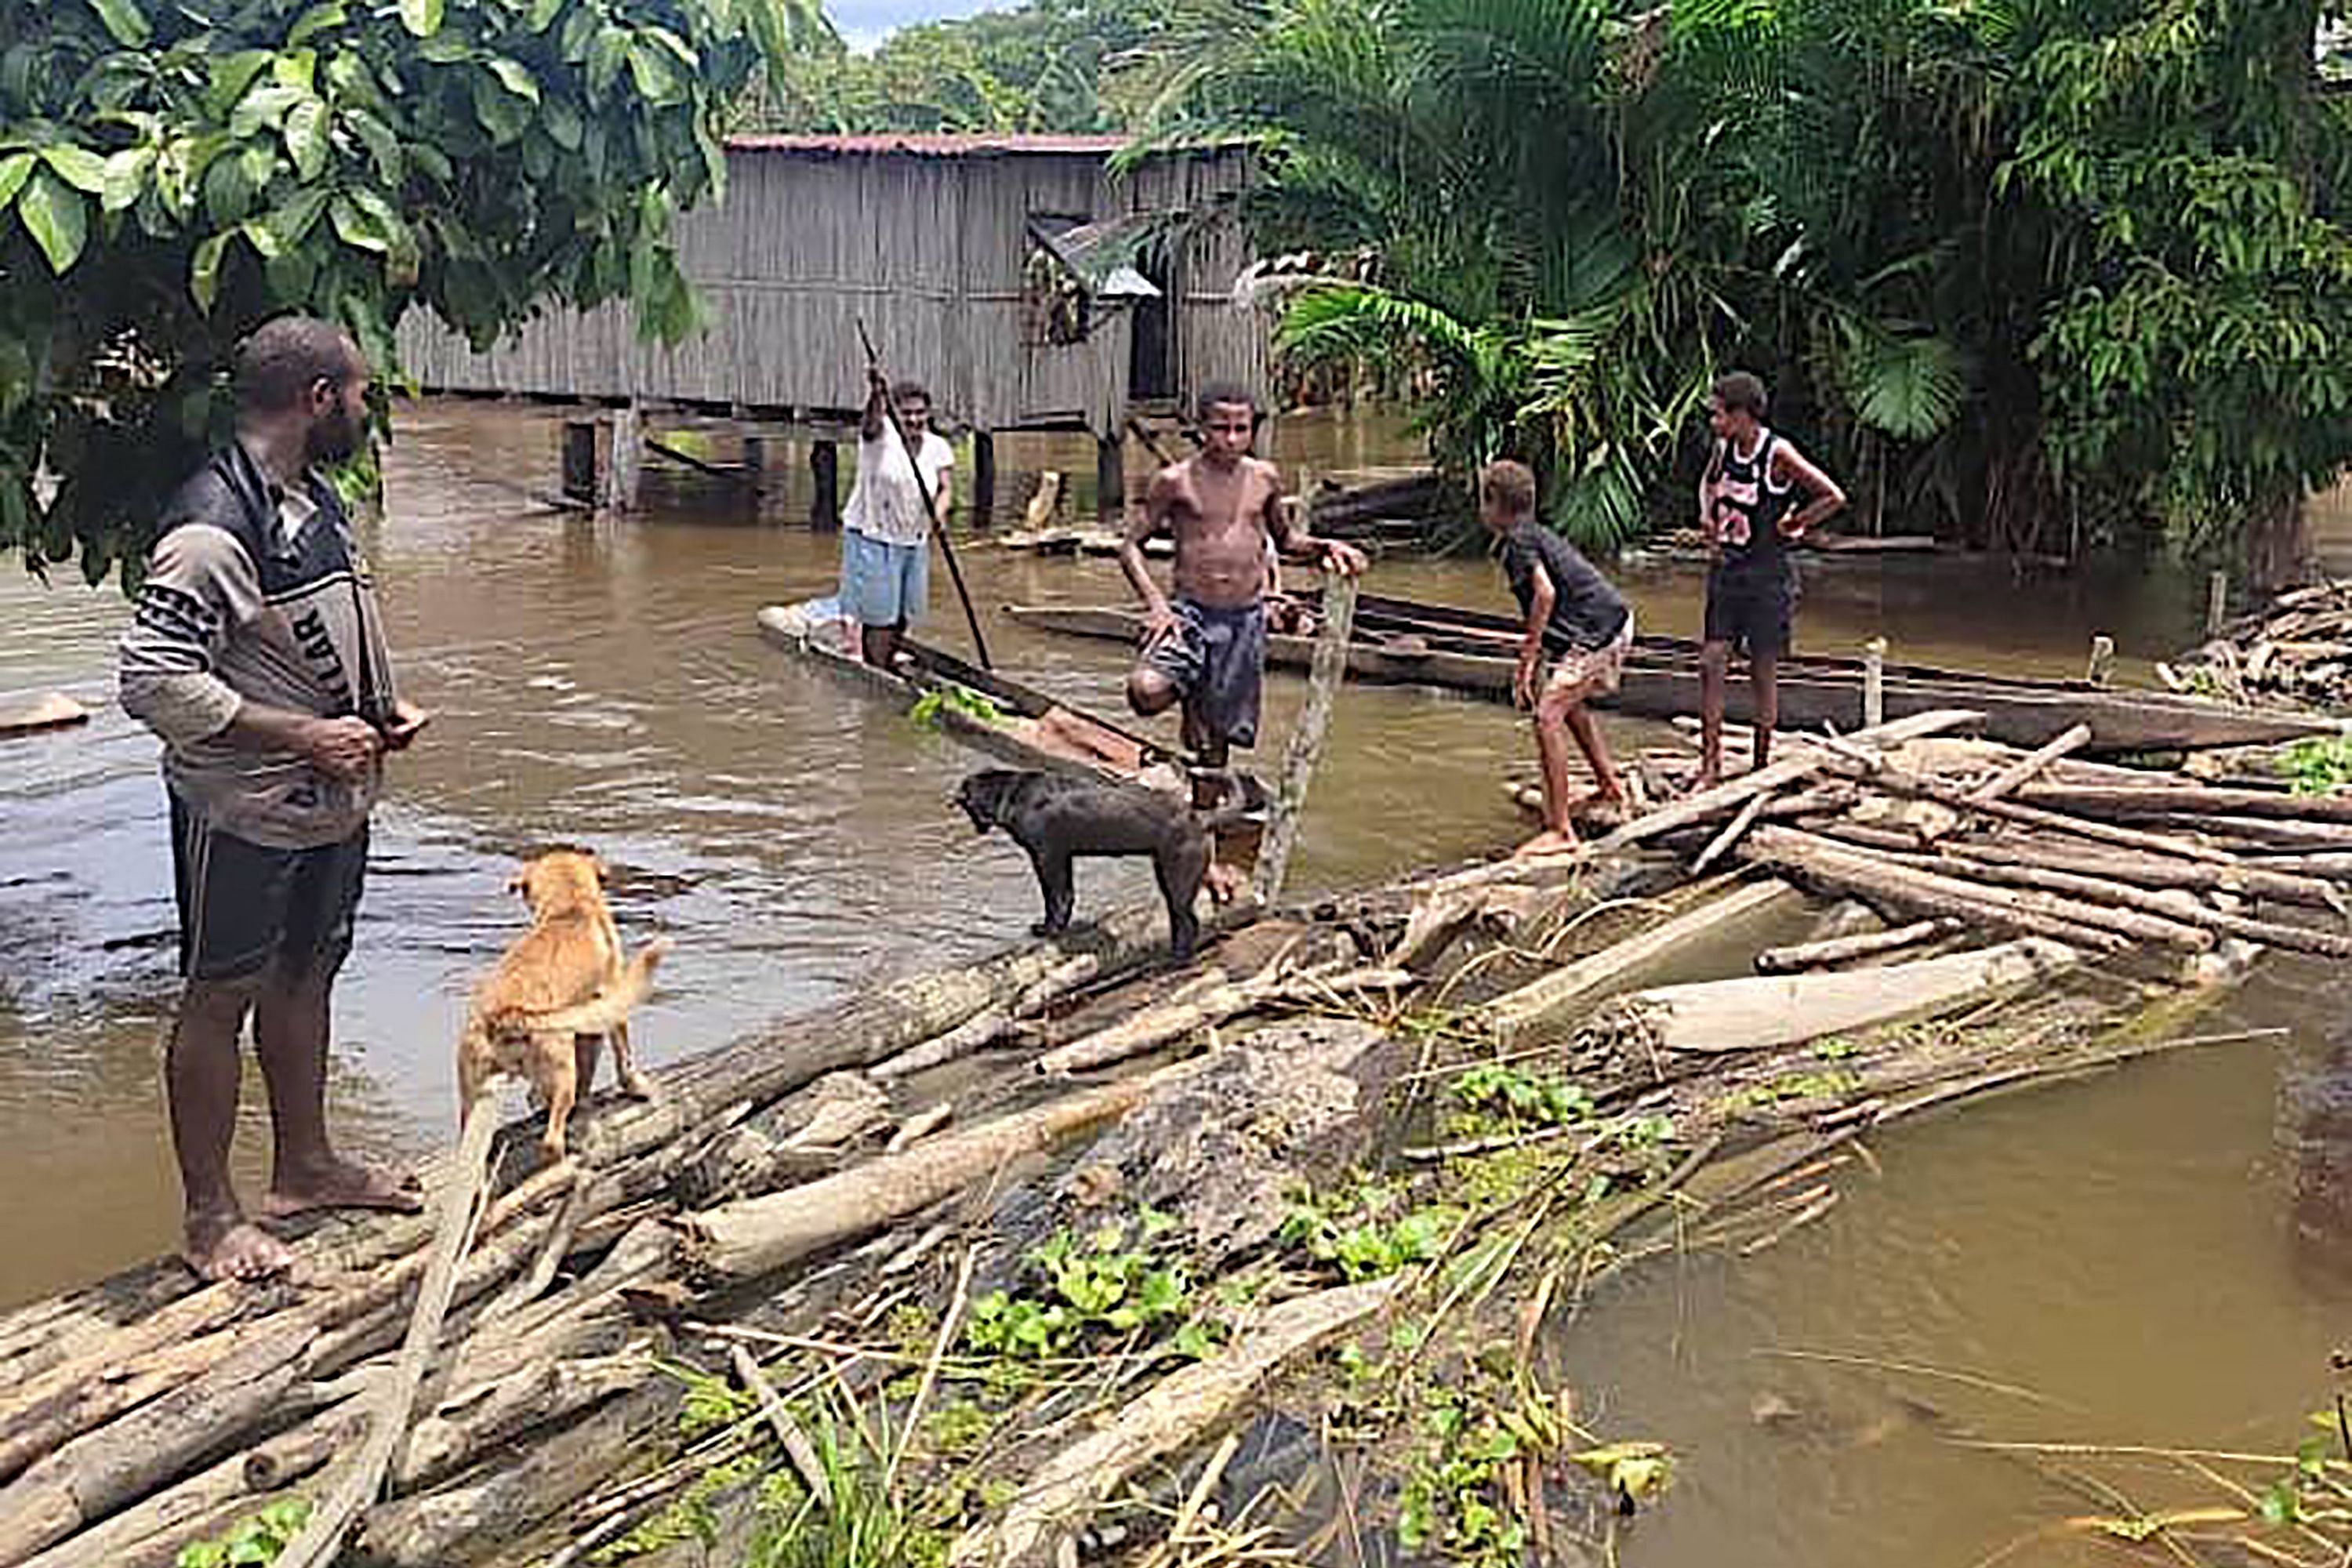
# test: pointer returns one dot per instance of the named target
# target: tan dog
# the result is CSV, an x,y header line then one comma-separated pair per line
x,y
561,983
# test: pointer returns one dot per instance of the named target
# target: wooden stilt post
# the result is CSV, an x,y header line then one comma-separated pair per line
x,y
2103,660
2217,603
1111,479
755,461
824,466
984,480
1306,737
1874,683
580,459
628,456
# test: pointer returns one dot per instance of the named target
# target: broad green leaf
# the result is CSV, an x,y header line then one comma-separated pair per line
x,y
421,18
306,138
228,191
316,20
125,20
263,238
355,228
292,223
57,216
656,76
205,267
382,145
513,77
264,108
297,68
431,159
126,177
562,122
500,112
14,169
542,15
77,166
232,74
605,58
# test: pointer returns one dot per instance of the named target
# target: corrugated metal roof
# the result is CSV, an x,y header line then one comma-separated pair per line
x,y
926,145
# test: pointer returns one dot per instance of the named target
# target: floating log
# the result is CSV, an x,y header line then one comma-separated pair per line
x,y
2177,906
2246,880
2120,803
1170,1416
1760,1011
756,1236
1799,956
1820,860
1516,1016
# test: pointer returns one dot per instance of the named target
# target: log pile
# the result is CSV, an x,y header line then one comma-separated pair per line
x,y
777,1210
2297,648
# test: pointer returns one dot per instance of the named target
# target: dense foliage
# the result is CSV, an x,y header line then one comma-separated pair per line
x,y
170,174
1039,67
2045,271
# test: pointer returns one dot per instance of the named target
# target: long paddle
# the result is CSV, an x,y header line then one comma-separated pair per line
x,y
923,488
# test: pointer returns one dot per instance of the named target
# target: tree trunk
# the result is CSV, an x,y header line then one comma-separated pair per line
x,y
2278,549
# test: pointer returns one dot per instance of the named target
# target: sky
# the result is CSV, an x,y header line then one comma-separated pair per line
x,y
864,23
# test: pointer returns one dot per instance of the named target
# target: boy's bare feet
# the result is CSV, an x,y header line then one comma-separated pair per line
x,y
344,1184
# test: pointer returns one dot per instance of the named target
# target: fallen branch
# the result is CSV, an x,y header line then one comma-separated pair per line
x,y
1805,955
2017,773
1173,1414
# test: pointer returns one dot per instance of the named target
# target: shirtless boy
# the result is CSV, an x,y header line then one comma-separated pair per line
x,y
1205,648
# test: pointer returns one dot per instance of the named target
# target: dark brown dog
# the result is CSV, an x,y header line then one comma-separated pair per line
x,y
1059,819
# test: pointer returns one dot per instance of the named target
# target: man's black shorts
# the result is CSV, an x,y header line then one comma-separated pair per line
x,y
242,905
1754,612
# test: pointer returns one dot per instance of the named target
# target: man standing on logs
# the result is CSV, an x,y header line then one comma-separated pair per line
x,y
257,652
1206,648
1748,513
886,536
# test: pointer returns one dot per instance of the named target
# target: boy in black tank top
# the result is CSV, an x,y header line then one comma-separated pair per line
x,y
1750,511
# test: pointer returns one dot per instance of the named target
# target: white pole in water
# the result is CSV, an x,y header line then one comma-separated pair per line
x,y
1874,683
2217,603
628,456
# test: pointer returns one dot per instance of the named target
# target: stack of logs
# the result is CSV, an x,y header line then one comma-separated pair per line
x,y
2106,859
2298,647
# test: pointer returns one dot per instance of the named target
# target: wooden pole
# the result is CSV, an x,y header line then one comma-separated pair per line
x,y
2073,741
824,467
983,479
580,460
1874,683
2103,661
1308,736
755,460
628,456
1110,480
2217,603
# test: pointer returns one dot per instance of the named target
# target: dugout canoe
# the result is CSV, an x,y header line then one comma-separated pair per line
x,y
1005,719
1405,642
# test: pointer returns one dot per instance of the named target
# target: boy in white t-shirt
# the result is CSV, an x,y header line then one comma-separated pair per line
x,y
886,536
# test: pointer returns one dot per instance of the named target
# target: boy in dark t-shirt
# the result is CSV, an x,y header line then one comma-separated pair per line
x,y
1576,620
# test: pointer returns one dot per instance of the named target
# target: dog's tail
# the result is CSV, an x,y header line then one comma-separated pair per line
x,y
608,1009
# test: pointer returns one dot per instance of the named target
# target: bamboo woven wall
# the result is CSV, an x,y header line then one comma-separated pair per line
x,y
925,238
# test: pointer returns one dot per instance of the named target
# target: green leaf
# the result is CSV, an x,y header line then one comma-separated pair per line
x,y
205,268
14,169
656,76
57,219
542,15
125,20
500,112
306,138
263,108
356,227
78,167
232,74
421,18
126,177
316,20
513,77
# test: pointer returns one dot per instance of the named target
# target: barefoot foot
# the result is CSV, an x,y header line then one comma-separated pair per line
x,y
231,1247
1548,842
341,1185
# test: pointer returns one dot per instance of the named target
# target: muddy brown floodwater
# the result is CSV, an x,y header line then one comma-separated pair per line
x,y
2154,1249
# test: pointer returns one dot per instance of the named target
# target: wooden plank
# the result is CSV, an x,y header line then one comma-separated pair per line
x,y
1760,1011
1542,1004
1306,748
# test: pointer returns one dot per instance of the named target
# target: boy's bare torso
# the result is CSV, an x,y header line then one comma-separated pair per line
x,y
1220,518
